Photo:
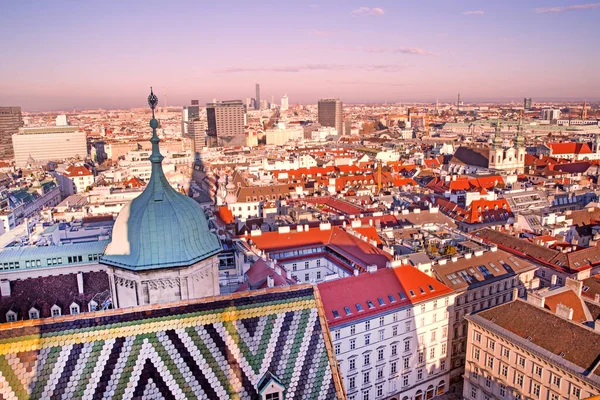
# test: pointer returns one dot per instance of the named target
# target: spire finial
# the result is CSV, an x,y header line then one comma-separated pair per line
x,y
155,157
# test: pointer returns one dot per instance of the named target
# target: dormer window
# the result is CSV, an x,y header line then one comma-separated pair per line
x,y
11,316
74,307
55,311
34,313
93,306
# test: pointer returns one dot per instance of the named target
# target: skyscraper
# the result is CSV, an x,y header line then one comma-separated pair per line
x,y
331,114
527,103
226,123
257,96
10,122
284,103
189,113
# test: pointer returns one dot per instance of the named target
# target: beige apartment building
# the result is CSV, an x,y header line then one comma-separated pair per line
x,y
51,143
520,350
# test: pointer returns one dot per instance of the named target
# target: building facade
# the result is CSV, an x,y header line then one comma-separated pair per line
x,y
521,351
226,123
10,122
331,114
51,143
390,331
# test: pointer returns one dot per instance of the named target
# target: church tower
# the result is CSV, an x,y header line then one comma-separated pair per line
x,y
161,249
496,153
520,147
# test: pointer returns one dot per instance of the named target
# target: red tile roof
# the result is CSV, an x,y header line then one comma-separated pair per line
x,y
370,287
77,170
226,215
569,299
570,148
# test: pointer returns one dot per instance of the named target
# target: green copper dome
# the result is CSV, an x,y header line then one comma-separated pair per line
x,y
161,227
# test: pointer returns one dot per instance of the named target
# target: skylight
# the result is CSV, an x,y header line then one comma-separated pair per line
x,y
380,300
431,288
359,307
402,296
412,294
370,304
347,309
421,290
392,299
336,314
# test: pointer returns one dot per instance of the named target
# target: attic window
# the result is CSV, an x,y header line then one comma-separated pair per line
x,y
336,314
74,308
347,310
421,290
370,304
34,313
412,294
359,307
56,311
11,316
431,288
381,302
402,296
392,299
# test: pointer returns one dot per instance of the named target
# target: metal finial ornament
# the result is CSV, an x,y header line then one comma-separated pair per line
x,y
152,100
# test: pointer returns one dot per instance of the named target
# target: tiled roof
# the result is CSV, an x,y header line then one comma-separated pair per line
x,y
569,148
591,286
371,292
215,348
77,170
569,299
559,337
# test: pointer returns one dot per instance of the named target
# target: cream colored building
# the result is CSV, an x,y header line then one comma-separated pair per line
x,y
520,350
51,143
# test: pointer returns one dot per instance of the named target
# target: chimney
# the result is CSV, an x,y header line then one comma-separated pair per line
x,y
355,271
270,281
564,311
574,285
5,287
553,281
515,294
536,300
597,325
371,268
80,282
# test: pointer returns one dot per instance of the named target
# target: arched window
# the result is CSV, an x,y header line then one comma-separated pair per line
x,y
419,395
430,392
441,388
493,159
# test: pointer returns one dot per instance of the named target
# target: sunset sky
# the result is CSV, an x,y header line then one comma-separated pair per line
x,y
74,54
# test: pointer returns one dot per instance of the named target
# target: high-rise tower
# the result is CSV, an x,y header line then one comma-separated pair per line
x,y
331,114
257,96
10,122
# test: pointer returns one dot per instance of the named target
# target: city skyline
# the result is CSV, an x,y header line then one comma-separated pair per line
x,y
360,51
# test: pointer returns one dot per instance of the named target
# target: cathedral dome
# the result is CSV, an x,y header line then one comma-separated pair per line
x,y
160,228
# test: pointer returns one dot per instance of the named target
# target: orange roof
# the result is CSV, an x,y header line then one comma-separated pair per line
x,y
570,148
77,170
371,291
569,299
226,215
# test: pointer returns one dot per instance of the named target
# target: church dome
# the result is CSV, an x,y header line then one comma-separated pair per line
x,y
161,227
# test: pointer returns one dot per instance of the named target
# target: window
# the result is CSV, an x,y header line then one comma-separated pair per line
x,y
367,359
381,321
443,365
380,301
352,344
432,353
433,336
359,307
505,352
306,263
352,382
394,349
477,336
422,322
422,308
272,396
406,363
55,310
366,395
504,370
74,308
444,349
444,332
395,317
575,391
367,339
521,361
337,335
519,379
336,314
554,396
434,304
352,364
352,329
379,390
393,367
556,380
408,326
367,325
306,277
404,380
370,304
473,392
421,357
488,381
318,274
380,373
502,390
294,266
491,344
11,316
536,389
379,354
395,330
34,313
476,353
337,348
407,344
420,374
490,362
537,370
392,299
